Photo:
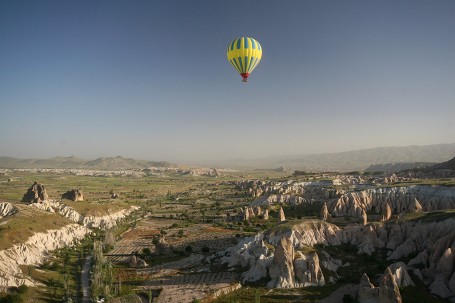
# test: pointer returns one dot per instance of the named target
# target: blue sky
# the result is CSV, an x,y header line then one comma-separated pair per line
x,y
150,79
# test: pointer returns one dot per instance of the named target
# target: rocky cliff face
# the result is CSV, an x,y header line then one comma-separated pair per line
x,y
399,199
39,245
73,195
432,243
387,292
34,251
103,222
283,265
7,209
35,194
307,190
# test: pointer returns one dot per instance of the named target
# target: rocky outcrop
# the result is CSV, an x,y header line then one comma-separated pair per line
x,y
388,289
137,262
308,272
103,222
324,212
400,274
35,194
269,201
265,216
367,292
162,247
387,292
431,242
34,251
399,199
281,270
7,209
364,217
285,267
74,195
386,213
313,190
249,212
281,217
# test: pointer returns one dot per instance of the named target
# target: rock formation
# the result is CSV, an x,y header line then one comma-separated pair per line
x,y
281,217
308,271
364,217
281,269
74,195
34,251
162,247
7,209
102,222
399,199
324,212
432,243
285,267
388,289
387,292
367,292
265,216
400,274
35,194
386,213
137,262
249,212
416,205
38,246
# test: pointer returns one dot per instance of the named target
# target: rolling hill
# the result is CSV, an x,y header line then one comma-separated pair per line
x,y
105,163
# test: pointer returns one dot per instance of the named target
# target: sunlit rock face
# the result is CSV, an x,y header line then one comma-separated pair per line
x,y
34,251
398,199
74,195
7,209
35,194
387,292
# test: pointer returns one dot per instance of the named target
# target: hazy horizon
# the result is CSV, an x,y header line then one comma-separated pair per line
x,y
150,80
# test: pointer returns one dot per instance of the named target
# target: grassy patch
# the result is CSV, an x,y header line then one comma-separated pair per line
x,y
434,216
264,295
28,221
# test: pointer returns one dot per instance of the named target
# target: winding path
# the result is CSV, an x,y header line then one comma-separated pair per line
x,y
85,278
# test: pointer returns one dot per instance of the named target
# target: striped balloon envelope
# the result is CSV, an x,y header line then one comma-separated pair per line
x,y
244,54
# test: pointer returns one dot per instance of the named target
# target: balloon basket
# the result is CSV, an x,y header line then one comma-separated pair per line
x,y
244,80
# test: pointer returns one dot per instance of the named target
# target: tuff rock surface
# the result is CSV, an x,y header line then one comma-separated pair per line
x,y
7,209
34,251
74,195
35,194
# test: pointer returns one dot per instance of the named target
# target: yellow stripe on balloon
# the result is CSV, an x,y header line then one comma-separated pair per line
x,y
244,54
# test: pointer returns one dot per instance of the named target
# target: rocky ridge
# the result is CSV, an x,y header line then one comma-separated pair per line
x,y
34,251
400,199
38,246
431,242
102,222
283,264
7,209
35,194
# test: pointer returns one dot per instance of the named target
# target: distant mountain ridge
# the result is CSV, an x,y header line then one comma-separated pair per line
x,y
352,160
105,163
450,165
381,158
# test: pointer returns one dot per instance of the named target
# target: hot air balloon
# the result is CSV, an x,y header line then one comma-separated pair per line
x,y
244,54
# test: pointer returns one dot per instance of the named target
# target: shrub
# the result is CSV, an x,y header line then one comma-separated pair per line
x,y
188,248
146,251
22,289
347,298
205,249
16,298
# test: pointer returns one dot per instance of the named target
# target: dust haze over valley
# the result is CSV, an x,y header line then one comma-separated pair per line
x,y
136,166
